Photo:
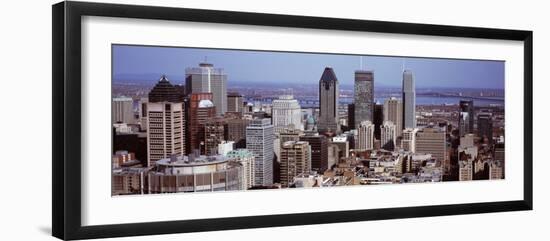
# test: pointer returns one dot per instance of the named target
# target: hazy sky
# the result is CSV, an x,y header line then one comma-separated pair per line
x,y
282,67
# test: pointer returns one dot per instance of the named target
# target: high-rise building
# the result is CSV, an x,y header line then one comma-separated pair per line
x,y
235,102
319,150
295,160
123,110
328,101
393,111
259,140
235,130
388,136
365,140
409,139
351,116
363,96
214,132
201,109
165,122
465,171
207,79
378,119
246,158
286,113
432,141
485,126
409,100
466,117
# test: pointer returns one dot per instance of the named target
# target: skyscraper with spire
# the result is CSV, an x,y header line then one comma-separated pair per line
x,y
328,101
409,100
207,79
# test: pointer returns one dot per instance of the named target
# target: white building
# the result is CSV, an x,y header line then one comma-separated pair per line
x,y
388,135
246,158
393,111
225,147
365,138
259,140
408,143
286,113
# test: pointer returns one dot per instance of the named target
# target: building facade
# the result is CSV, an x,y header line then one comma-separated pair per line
x,y
207,79
432,141
201,109
259,140
408,143
235,102
328,101
246,158
393,111
363,96
466,117
319,150
365,140
388,136
409,100
123,110
295,160
286,113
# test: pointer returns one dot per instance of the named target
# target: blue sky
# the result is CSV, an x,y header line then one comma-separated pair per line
x,y
144,62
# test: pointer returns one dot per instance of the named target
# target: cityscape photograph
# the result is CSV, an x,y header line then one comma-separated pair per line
x,y
205,120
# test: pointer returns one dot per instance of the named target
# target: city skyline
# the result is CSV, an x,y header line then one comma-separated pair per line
x,y
141,63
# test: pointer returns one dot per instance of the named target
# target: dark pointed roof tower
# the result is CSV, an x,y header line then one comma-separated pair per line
x,y
164,91
328,78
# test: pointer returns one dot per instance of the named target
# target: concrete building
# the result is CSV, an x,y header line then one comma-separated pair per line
x,y
319,150
123,110
343,145
328,101
393,111
259,140
128,180
408,143
409,100
295,160
196,174
225,147
235,102
388,136
207,79
246,158
363,97
432,141
165,122
214,134
235,130
365,140
286,113
465,170
485,127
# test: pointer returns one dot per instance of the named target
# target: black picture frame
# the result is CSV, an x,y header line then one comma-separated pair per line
x,y
66,165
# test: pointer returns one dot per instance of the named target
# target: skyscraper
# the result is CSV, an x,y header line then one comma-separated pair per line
x,y
259,140
388,136
165,114
123,110
295,160
319,150
432,141
351,116
363,96
286,113
201,110
328,101
235,130
409,100
485,126
207,79
365,140
393,111
466,117
378,119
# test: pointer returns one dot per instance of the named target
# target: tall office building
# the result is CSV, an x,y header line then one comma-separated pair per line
x,y
235,130
165,114
207,79
214,132
466,117
365,140
432,141
328,101
409,100
286,113
388,136
259,140
201,109
319,150
123,110
485,126
378,119
363,96
408,143
393,111
351,116
295,160
234,102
